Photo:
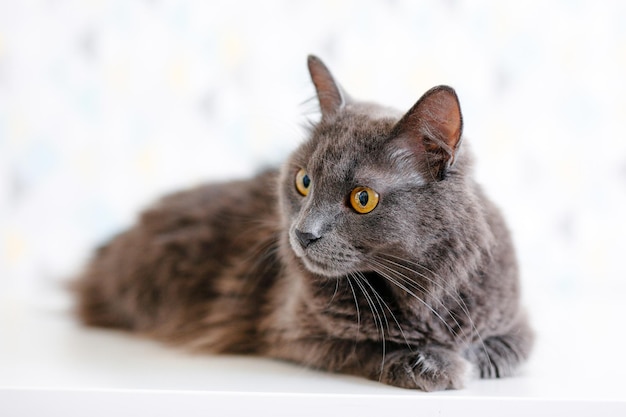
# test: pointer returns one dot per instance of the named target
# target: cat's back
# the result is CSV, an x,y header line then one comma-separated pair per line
x,y
223,210
191,247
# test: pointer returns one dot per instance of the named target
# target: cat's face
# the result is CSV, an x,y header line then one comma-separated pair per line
x,y
341,193
353,194
364,186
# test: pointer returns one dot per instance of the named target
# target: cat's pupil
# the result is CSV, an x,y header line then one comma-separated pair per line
x,y
306,181
363,198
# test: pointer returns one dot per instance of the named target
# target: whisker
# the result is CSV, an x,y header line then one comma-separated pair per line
x,y
399,285
393,316
358,312
436,282
415,285
361,278
376,316
334,293
369,302
454,295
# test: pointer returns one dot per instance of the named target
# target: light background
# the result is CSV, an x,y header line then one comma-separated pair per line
x,y
106,105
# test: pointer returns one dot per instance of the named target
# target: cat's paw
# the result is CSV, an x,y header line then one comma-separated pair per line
x,y
427,369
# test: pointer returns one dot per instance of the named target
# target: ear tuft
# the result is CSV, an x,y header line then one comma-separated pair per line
x,y
329,93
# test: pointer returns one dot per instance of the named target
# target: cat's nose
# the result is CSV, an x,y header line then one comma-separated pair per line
x,y
306,238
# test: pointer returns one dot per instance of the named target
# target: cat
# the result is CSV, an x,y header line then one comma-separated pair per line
x,y
372,252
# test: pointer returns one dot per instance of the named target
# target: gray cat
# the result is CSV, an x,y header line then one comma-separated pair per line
x,y
371,252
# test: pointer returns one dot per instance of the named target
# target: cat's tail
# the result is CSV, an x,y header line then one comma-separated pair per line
x,y
95,304
92,309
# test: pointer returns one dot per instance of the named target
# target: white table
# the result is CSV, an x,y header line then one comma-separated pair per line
x,y
50,365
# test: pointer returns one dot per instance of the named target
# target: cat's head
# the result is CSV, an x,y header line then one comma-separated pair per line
x,y
372,182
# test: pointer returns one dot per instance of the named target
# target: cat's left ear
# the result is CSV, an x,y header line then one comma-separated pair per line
x,y
432,130
331,96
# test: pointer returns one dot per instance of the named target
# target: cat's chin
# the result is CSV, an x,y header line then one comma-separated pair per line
x,y
325,269
319,262
317,265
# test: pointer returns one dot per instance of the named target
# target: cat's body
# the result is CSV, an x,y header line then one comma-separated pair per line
x,y
372,252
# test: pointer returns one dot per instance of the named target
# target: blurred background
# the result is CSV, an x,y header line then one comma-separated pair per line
x,y
107,105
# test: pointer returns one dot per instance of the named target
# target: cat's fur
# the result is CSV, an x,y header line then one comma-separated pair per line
x,y
418,293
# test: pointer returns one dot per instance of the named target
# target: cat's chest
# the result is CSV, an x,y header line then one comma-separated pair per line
x,y
362,308
359,308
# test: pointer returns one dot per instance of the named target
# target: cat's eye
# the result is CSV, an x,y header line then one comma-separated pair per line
x,y
363,199
303,182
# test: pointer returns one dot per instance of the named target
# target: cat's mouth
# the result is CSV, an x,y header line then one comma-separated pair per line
x,y
323,260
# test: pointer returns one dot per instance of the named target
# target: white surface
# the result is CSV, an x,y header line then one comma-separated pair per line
x,y
106,105
50,364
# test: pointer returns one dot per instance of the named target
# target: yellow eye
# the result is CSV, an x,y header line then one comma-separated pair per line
x,y
303,182
363,199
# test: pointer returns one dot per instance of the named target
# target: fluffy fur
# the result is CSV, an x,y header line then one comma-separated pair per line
x,y
418,293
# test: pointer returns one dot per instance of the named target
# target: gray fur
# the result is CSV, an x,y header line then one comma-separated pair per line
x,y
418,293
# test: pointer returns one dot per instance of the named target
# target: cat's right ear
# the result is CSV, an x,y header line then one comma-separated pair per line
x,y
331,96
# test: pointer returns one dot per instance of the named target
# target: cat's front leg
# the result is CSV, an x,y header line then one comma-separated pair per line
x,y
430,368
